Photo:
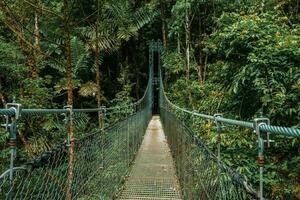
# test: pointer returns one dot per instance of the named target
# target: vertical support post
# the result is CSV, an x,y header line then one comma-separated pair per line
x,y
103,115
69,122
71,145
11,126
219,126
128,137
261,145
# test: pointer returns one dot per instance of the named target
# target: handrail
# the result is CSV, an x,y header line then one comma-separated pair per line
x,y
279,130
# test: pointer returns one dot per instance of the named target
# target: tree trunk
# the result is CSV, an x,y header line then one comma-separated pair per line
x,y
163,23
68,53
98,72
205,69
3,102
202,68
187,43
98,77
70,99
37,46
31,63
25,44
178,43
200,64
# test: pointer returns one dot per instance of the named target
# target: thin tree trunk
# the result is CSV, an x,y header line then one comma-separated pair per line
x,y
187,43
70,99
25,44
163,21
200,65
31,63
98,83
178,43
205,69
199,73
37,46
68,53
98,72
2,99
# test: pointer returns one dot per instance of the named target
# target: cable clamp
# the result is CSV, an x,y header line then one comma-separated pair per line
x,y
219,125
258,122
68,114
9,119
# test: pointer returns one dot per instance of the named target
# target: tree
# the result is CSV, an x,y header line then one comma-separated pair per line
x,y
69,76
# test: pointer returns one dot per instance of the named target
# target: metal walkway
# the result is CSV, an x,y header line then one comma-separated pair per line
x,y
153,174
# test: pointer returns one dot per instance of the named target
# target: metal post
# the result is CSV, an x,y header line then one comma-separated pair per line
x,y
68,121
261,145
11,126
103,115
219,125
71,147
128,137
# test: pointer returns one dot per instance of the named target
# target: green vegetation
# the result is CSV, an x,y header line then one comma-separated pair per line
x,y
240,58
101,68
237,57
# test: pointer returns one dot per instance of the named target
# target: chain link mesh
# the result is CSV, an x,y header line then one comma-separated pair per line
x,y
201,175
101,159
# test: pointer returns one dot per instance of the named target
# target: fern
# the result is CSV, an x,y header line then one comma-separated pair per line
x,y
88,89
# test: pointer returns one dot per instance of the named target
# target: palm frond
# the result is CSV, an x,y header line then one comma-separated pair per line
x,y
80,55
116,10
143,17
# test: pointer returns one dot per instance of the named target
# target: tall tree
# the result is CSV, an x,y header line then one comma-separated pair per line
x,y
187,46
69,76
163,22
97,63
25,43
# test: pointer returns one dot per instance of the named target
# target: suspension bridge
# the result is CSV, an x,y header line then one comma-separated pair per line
x,y
149,151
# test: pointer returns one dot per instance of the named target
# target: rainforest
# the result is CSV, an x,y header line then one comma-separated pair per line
x,y
81,80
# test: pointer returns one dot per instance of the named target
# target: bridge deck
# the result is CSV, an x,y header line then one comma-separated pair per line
x,y
153,174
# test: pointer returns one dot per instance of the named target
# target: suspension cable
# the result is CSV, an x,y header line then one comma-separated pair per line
x,y
279,130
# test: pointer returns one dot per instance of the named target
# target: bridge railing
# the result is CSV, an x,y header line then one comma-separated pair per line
x,y
100,157
183,141
201,174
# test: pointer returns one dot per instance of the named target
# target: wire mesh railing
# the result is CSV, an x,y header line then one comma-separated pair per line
x,y
101,164
100,156
201,171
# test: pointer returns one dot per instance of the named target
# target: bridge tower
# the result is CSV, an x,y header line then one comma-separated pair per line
x,y
155,48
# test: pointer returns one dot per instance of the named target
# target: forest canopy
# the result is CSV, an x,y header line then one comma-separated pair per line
x,y
237,57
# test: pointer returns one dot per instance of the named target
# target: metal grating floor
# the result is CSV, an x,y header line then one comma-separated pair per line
x,y
153,174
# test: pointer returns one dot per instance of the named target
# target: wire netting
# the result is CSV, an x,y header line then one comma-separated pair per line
x,y
97,164
102,161
200,174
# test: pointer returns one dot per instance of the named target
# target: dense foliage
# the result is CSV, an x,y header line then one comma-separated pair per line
x,y
237,57
240,58
85,53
